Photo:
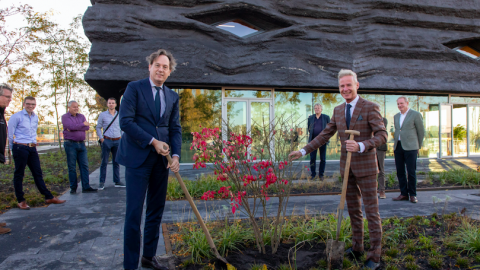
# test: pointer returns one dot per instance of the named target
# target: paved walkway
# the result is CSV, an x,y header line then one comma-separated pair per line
x,y
87,231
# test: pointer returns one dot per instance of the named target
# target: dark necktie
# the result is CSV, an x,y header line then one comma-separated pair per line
x,y
348,117
158,105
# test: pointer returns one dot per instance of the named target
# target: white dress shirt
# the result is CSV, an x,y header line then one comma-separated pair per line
x,y
352,109
402,118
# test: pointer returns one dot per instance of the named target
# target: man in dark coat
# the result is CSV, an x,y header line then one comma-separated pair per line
x,y
316,124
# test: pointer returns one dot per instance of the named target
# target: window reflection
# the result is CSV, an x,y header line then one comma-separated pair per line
x,y
428,107
474,125
199,108
296,107
248,93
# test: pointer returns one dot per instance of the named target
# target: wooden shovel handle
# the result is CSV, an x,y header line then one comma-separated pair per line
x,y
195,210
345,177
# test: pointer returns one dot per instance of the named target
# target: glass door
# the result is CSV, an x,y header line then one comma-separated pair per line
x,y
250,116
445,130
459,125
474,130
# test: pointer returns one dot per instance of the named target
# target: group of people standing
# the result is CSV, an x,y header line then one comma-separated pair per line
x,y
408,123
22,138
149,124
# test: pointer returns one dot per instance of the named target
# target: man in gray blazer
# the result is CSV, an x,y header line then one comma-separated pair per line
x,y
409,134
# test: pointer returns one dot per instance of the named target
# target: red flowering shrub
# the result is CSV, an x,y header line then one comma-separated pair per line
x,y
253,167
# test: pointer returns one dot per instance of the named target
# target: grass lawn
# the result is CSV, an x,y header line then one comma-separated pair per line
x,y
55,175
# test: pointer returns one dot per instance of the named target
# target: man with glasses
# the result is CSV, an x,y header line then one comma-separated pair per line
x,y
22,137
5,98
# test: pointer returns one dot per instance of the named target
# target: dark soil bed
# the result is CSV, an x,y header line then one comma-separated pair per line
x,y
407,243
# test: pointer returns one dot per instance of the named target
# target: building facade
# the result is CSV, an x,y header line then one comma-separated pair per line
x,y
251,61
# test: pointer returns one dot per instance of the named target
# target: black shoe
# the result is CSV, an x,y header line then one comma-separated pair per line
x,y
152,264
355,254
90,189
120,184
369,264
73,191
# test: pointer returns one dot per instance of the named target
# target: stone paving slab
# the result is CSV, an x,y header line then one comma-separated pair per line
x,y
87,231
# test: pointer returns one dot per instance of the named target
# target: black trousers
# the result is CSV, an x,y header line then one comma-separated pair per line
x,y
27,156
313,161
406,159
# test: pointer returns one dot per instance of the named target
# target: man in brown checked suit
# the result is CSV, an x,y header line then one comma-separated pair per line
x,y
364,116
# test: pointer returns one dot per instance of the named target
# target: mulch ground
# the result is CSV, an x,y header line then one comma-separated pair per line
x,y
412,251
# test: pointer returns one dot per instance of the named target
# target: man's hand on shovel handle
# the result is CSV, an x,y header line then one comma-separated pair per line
x,y
352,146
295,155
161,147
175,166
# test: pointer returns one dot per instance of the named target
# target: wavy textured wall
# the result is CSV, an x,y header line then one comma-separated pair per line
x,y
391,44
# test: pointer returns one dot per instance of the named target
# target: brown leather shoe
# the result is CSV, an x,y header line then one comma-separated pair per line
x,y
3,224
54,201
153,264
413,199
5,230
23,205
401,198
382,194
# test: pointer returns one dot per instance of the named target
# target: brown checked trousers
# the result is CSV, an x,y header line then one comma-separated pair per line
x,y
362,182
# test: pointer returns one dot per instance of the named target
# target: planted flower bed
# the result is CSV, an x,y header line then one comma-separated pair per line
x,y
435,242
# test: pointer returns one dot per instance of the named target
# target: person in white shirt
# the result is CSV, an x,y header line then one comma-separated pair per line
x,y
408,137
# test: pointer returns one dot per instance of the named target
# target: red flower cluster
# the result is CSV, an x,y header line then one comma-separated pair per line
x,y
208,195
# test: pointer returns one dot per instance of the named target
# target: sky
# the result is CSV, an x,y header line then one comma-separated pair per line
x,y
64,10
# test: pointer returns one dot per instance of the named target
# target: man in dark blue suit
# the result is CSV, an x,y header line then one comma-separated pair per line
x,y
149,116
316,123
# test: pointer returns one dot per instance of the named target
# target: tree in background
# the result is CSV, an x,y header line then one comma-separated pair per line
x,y
14,43
25,84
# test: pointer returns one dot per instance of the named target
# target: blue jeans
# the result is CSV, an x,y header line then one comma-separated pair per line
x,y
27,156
107,147
77,153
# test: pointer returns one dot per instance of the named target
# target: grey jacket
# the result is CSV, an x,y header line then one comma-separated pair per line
x,y
411,132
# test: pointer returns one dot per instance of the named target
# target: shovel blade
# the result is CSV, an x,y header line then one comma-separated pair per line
x,y
335,251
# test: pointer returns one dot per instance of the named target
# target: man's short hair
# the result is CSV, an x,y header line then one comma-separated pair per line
x,y
405,98
318,104
5,86
151,58
347,72
71,102
112,98
28,98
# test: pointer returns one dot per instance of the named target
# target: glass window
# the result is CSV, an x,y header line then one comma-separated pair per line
x,y
239,27
199,108
465,100
392,109
248,93
459,122
379,99
474,126
428,107
294,107
329,101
